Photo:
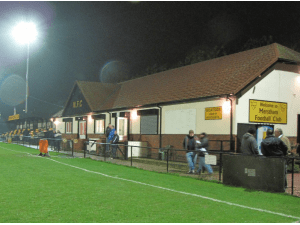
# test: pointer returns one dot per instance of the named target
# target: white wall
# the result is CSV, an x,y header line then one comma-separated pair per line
x,y
201,125
75,126
278,86
60,125
90,125
135,125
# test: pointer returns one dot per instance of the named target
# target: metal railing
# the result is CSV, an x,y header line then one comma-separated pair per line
x,y
167,159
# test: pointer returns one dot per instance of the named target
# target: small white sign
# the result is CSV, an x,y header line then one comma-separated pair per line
x,y
251,172
211,159
246,170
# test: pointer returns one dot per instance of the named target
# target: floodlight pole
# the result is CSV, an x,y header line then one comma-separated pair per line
x,y
26,96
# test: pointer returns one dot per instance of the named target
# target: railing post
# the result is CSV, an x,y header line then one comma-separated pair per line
x,y
167,160
84,151
221,161
105,151
131,155
293,161
72,148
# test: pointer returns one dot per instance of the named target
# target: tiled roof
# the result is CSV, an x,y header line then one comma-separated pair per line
x,y
58,114
99,96
220,76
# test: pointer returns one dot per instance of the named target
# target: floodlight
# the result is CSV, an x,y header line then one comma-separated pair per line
x,y
25,32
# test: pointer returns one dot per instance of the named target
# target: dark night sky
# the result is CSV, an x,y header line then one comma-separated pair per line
x,y
77,39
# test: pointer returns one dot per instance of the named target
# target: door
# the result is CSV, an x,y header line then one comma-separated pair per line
x,y
242,128
82,129
261,134
122,127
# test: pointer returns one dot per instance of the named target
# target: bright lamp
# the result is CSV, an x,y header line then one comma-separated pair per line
x,y
25,32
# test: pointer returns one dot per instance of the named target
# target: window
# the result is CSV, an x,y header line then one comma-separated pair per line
x,y
149,124
99,126
49,124
149,121
68,127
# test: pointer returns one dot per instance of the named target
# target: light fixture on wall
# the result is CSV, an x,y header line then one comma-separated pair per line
x,y
226,107
89,118
133,114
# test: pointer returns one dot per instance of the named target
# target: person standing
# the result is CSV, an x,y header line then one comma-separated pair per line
x,y
189,144
111,134
273,146
249,144
279,134
201,147
107,132
114,141
50,137
57,137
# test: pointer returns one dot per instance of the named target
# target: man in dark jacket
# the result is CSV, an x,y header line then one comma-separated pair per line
x,y
249,144
114,141
189,144
273,146
107,132
202,147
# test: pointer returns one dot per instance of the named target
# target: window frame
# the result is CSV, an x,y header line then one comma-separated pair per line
x,y
70,126
95,126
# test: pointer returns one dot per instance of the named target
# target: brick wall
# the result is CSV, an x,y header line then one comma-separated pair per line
x,y
81,142
176,140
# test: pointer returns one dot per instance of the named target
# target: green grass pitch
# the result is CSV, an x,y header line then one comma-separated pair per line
x,y
77,190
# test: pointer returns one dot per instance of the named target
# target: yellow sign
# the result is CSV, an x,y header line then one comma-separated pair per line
x,y
213,113
267,112
14,117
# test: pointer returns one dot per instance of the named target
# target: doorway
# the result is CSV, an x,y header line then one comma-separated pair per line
x,y
260,134
122,126
82,129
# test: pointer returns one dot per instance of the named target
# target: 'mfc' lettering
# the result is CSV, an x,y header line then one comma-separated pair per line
x,y
77,104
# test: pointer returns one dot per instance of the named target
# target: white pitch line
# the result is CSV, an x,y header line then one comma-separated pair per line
x,y
172,190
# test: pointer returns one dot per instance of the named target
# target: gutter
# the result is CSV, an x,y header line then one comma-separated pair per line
x,y
231,122
160,122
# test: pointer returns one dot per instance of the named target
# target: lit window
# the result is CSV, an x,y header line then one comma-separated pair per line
x,y
99,126
68,127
